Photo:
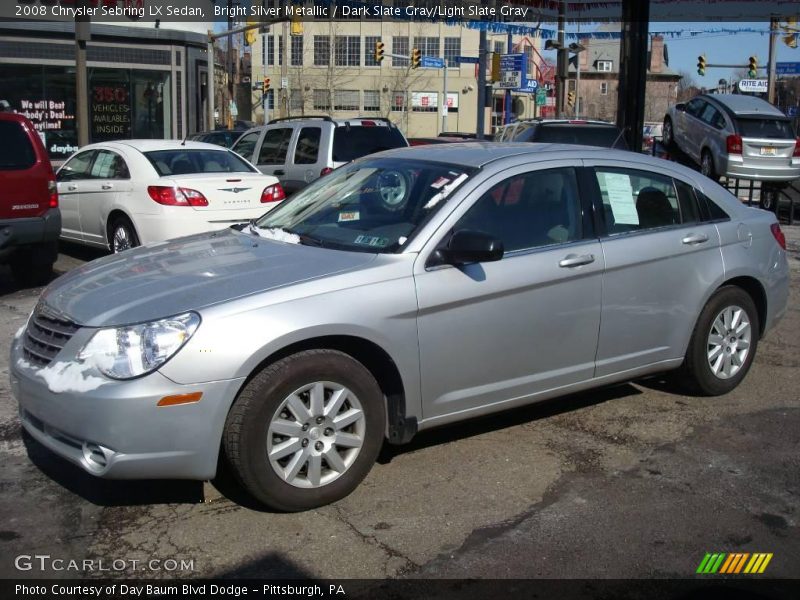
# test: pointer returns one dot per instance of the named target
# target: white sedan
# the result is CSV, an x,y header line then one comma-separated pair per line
x,y
118,195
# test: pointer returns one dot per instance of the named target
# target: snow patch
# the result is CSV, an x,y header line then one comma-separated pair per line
x,y
70,377
275,233
24,364
20,331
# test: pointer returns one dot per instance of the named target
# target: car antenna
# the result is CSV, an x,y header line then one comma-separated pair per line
x,y
183,143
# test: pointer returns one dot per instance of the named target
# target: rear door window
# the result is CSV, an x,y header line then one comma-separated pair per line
x,y
16,151
109,165
354,141
637,200
307,149
275,146
765,128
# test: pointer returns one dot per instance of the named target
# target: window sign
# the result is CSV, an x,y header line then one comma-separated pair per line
x,y
619,191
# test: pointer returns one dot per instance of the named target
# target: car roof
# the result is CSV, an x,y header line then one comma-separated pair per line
x,y
155,145
742,104
477,154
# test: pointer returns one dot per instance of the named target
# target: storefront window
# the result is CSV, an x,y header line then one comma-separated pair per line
x,y
123,104
46,95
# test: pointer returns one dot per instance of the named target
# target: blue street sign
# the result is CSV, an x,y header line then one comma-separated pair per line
x,y
787,68
531,88
467,60
791,111
431,62
513,72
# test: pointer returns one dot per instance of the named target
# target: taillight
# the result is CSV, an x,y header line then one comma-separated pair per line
x,y
733,144
52,189
272,193
176,196
368,123
796,152
325,171
778,235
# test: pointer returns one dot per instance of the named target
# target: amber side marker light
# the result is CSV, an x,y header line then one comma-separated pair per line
x,y
180,399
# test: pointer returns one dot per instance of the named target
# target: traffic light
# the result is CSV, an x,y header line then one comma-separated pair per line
x,y
379,51
571,98
791,40
752,66
701,65
266,84
416,58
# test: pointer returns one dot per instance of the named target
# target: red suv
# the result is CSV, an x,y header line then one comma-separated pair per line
x,y
30,221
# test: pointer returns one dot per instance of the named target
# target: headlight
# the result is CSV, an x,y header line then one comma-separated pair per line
x,y
134,350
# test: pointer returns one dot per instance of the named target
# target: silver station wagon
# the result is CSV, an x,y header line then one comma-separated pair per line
x,y
406,290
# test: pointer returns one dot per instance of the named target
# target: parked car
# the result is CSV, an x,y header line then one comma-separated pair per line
x,y
298,150
223,137
424,141
563,131
118,195
30,219
651,135
735,135
403,291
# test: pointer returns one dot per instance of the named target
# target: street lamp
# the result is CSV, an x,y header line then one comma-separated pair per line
x,y
576,49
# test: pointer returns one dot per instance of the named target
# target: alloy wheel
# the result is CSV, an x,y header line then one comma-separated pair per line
x,y
316,434
729,342
121,239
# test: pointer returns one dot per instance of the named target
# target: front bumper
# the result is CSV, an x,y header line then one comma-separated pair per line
x,y
117,430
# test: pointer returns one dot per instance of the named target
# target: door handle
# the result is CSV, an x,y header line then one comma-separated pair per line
x,y
695,238
72,188
107,186
575,260
279,172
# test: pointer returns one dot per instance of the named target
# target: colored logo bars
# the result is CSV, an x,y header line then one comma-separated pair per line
x,y
734,563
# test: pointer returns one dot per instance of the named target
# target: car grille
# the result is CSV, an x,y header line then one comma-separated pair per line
x,y
45,336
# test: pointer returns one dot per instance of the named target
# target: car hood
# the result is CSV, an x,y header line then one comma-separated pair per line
x,y
169,278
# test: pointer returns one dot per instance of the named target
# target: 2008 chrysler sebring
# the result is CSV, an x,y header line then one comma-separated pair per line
x,y
409,289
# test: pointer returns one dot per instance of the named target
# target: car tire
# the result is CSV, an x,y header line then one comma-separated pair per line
x,y
707,165
29,270
723,343
122,235
306,430
667,136
768,197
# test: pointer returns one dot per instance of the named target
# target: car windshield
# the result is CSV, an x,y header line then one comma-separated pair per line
x,y
765,128
182,162
352,142
374,205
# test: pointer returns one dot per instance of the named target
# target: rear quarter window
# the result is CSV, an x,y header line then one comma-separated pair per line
x,y
16,150
350,143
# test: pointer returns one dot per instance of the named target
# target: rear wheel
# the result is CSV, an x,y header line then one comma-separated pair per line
x,y
305,431
707,165
723,343
122,235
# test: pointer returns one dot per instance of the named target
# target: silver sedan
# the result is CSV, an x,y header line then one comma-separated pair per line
x,y
409,289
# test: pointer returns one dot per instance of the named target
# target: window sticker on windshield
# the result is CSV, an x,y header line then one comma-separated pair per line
x,y
445,191
350,215
440,182
369,240
619,191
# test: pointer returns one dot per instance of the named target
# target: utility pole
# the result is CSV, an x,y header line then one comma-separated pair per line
x,y
284,90
210,85
444,98
82,35
773,34
562,60
481,85
507,99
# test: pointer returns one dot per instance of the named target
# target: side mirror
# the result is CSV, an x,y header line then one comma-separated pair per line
x,y
468,246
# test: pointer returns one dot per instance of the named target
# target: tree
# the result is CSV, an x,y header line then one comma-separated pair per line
x,y
687,88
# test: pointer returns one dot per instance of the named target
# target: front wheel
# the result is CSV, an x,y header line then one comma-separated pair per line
x,y
667,137
723,343
306,430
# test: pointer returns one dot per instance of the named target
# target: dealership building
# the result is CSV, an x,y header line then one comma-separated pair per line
x,y
144,81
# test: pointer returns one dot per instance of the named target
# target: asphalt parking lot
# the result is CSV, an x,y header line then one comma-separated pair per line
x,y
636,480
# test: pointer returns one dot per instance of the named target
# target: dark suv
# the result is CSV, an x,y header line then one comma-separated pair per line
x,y
30,221
563,131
